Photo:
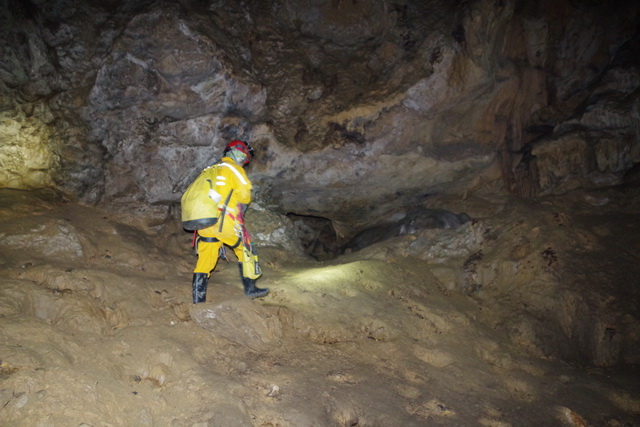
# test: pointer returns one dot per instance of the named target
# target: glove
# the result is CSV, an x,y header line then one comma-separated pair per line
x,y
215,196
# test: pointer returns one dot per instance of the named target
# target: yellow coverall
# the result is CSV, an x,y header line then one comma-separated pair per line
x,y
227,230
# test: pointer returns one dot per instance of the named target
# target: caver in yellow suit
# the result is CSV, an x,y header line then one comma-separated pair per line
x,y
233,190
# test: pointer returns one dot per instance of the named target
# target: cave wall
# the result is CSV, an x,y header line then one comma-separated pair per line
x,y
358,110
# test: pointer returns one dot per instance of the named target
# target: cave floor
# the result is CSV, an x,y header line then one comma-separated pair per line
x,y
527,316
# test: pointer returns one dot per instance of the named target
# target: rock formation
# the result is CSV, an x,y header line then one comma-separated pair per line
x,y
358,111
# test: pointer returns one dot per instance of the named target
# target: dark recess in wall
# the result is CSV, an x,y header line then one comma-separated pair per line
x,y
317,236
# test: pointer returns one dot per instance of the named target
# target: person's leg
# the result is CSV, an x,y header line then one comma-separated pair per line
x,y
207,256
229,235
249,285
199,287
207,260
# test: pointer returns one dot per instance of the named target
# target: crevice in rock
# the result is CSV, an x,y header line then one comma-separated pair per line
x,y
317,235
416,219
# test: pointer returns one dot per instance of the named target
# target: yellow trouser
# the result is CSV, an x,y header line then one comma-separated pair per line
x,y
208,251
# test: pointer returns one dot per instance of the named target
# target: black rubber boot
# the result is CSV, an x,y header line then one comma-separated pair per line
x,y
199,287
250,288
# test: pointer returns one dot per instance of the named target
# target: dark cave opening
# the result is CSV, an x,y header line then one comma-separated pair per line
x,y
317,236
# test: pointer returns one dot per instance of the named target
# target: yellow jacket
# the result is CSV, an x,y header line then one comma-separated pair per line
x,y
218,188
232,176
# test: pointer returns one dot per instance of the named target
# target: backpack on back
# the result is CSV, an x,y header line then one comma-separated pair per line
x,y
200,201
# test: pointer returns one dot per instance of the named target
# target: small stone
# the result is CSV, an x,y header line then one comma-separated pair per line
x,y
274,391
21,399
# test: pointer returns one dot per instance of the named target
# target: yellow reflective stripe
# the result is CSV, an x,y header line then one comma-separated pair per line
x,y
238,174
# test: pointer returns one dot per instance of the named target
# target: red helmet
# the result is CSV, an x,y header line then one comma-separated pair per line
x,y
241,146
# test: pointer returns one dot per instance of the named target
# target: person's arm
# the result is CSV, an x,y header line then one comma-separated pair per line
x,y
243,189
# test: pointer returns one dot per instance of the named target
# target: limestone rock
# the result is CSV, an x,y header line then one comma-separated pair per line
x,y
358,110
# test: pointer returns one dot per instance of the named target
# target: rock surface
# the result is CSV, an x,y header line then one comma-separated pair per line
x,y
524,316
358,110
465,175
239,321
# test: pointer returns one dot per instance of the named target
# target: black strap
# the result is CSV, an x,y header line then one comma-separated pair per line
x,y
224,210
237,243
208,239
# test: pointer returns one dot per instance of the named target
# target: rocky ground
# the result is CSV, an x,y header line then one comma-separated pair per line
x,y
525,316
